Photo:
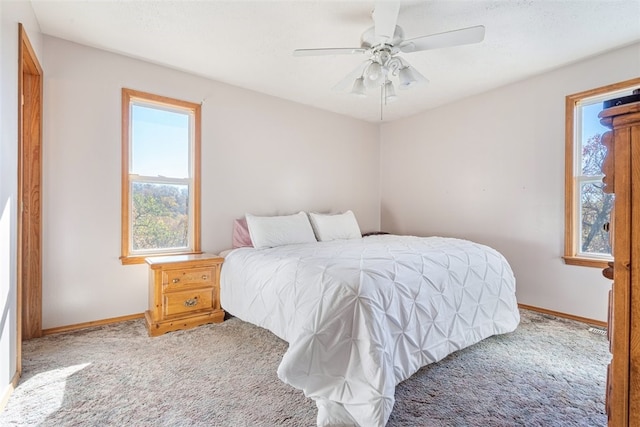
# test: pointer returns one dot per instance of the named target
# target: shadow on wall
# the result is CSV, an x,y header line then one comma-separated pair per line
x,y
390,223
521,254
514,249
7,292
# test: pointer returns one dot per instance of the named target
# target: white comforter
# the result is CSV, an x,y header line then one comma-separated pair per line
x,y
362,315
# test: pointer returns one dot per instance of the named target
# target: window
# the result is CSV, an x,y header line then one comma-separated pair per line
x,y
160,176
587,207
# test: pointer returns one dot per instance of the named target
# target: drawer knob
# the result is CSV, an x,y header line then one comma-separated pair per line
x,y
191,302
205,277
176,280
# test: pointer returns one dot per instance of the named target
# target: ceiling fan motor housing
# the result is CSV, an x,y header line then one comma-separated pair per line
x,y
368,40
383,43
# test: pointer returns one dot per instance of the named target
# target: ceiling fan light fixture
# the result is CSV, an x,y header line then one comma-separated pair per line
x,y
382,44
358,88
389,92
407,78
374,71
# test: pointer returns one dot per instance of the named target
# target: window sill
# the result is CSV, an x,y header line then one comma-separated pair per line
x,y
140,259
586,262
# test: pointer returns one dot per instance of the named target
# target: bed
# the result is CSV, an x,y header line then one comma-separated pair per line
x,y
362,314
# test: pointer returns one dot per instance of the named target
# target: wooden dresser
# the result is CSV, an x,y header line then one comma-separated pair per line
x,y
622,177
184,291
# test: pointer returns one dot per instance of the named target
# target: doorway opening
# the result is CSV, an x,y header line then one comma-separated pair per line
x,y
29,247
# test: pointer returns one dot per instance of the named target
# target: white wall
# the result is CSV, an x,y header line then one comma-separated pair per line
x,y
260,154
491,168
11,13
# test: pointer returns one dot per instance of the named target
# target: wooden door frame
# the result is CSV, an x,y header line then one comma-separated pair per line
x,y
29,246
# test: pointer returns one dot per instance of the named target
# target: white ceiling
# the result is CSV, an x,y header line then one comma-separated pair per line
x,y
250,43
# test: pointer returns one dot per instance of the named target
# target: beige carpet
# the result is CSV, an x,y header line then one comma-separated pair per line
x,y
549,372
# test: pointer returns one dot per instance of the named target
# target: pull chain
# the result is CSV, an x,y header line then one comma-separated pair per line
x,y
381,100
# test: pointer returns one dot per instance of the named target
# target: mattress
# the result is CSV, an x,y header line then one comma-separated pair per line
x,y
362,315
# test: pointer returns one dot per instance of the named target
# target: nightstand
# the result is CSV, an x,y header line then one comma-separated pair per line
x,y
184,291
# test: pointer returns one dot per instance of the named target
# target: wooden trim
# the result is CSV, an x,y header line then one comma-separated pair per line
x,y
78,326
620,345
586,262
127,96
19,284
569,194
8,391
142,259
569,214
31,59
586,320
608,88
112,320
124,191
196,175
159,99
29,247
634,321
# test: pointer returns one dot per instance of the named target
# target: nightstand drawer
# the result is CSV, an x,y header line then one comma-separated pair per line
x,y
179,279
184,292
187,301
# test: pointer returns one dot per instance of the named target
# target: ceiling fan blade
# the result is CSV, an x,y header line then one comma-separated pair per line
x,y
347,82
446,39
385,17
328,51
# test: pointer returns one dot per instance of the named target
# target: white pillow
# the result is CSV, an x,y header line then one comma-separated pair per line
x,y
270,231
334,227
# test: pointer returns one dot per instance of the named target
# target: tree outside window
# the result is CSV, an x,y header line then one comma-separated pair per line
x,y
160,176
587,207
595,205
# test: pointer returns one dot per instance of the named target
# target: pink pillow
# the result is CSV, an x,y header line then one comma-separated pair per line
x,y
241,237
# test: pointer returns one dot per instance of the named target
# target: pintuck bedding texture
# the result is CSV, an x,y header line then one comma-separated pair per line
x,y
362,315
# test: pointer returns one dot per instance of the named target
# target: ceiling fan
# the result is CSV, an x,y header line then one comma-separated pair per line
x,y
382,44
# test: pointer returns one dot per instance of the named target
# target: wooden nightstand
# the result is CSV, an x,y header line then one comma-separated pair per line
x,y
184,291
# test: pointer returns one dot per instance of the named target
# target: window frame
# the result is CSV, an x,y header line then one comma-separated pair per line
x,y
129,96
572,210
